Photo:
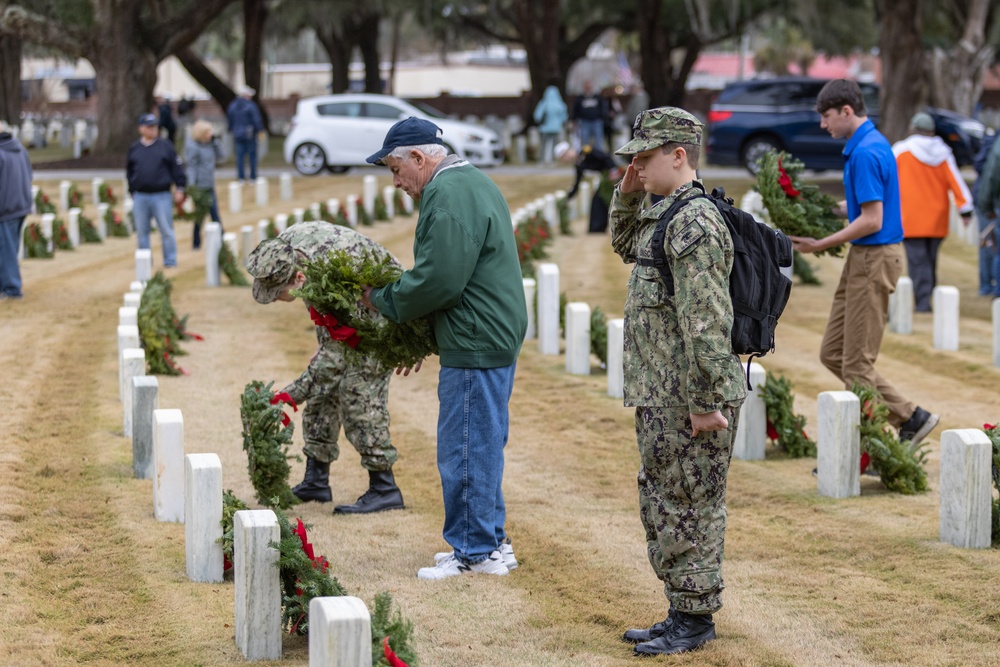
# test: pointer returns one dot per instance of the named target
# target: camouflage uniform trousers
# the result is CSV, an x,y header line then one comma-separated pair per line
x,y
682,503
351,393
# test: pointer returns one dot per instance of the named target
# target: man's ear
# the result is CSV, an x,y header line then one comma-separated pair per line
x,y
300,279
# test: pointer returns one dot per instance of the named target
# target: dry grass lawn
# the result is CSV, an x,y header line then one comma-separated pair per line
x,y
91,578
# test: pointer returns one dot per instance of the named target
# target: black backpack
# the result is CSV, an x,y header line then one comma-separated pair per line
x,y
756,285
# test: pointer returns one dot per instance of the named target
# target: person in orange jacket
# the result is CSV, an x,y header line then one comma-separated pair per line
x,y
927,173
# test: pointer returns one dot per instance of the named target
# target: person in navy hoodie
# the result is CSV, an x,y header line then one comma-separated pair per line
x,y
15,204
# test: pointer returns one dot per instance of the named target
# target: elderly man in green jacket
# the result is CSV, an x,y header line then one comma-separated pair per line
x,y
467,275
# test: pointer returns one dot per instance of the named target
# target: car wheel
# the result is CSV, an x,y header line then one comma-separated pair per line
x,y
755,149
309,159
337,168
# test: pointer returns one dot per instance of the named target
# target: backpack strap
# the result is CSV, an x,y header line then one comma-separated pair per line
x,y
659,259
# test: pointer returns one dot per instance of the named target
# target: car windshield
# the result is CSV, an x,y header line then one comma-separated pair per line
x,y
428,109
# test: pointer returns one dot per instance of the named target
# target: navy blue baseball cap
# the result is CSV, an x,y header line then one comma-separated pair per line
x,y
148,119
411,131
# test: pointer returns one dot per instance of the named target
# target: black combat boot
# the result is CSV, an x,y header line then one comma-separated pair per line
x,y
316,484
686,633
382,494
641,635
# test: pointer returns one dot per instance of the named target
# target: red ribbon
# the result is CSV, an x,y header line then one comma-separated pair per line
x,y
785,181
336,330
390,656
865,460
989,427
283,397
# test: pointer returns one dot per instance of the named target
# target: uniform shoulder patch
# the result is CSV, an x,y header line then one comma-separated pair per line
x,y
688,236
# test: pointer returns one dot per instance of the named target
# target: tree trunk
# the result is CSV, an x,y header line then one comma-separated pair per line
x,y
664,86
10,79
366,37
956,74
254,18
125,77
200,72
338,51
539,30
904,78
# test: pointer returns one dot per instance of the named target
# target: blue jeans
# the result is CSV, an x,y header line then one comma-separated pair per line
x,y
248,148
592,133
10,272
473,424
989,258
159,205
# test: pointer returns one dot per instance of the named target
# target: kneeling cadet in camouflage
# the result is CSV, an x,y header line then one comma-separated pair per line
x,y
337,389
680,374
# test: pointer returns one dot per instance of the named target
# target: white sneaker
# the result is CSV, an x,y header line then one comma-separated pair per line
x,y
506,552
449,566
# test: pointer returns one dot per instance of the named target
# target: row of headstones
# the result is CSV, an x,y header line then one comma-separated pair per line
x,y
79,133
946,316
966,454
188,489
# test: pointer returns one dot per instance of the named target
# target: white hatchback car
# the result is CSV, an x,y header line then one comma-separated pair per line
x,y
338,132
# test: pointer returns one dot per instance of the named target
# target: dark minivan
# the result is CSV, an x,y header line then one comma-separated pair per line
x,y
752,117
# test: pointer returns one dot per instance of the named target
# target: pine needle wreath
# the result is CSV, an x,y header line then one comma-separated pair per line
x,y
381,210
363,217
399,204
305,575
333,287
60,235
308,215
43,204
267,434
114,224
201,198
36,246
532,237
106,196
229,266
88,232
794,207
271,232
802,269
605,188
599,334
785,428
75,198
160,330
992,432
899,464
562,208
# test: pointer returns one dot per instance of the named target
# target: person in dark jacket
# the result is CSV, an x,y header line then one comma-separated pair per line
x,y
245,124
989,230
592,159
467,274
590,110
167,118
15,204
151,168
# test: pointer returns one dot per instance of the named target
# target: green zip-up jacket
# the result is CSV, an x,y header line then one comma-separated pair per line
x,y
465,271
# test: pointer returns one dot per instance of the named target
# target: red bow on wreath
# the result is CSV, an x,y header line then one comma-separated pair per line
x,y
336,330
390,656
283,397
785,181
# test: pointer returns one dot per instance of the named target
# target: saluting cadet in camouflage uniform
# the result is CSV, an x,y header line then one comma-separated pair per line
x,y
337,389
680,374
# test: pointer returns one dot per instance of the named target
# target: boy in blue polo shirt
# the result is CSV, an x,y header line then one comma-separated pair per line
x,y
875,261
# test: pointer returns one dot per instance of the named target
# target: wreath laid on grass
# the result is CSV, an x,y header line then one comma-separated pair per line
x,y
60,235
532,237
160,330
785,428
229,266
599,334
363,217
562,208
899,464
399,204
267,434
43,204
305,575
381,210
36,246
88,231
105,195
115,225
794,207
75,198
333,290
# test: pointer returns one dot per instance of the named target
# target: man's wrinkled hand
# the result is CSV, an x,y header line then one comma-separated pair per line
x,y
708,421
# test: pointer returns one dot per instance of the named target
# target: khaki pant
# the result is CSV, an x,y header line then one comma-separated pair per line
x,y
857,321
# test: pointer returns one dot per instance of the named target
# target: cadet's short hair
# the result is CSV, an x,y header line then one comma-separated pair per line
x,y
839,93
693,151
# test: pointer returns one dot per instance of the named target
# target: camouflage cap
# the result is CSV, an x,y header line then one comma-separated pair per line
x,y
272,265
655,127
